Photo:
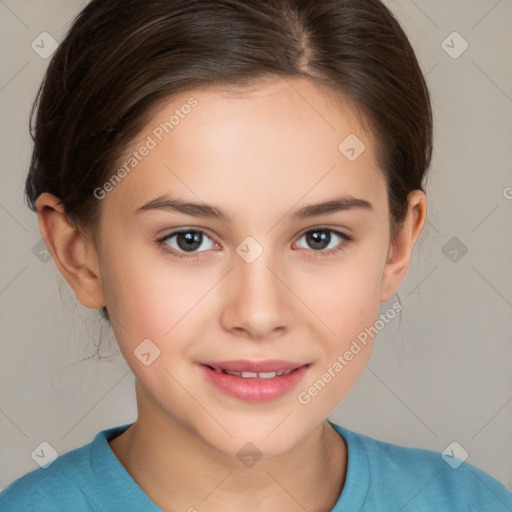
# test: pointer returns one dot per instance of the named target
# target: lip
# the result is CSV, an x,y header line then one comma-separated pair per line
x,y
255,390
245,365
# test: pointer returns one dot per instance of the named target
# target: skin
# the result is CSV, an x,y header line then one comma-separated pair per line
x,y
259,154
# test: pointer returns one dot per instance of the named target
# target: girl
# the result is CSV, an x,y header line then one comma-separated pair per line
x,y
238,186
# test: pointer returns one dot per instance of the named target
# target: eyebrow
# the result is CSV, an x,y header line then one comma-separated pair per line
x,y
210,211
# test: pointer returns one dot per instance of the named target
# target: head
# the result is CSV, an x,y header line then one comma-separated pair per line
x,y
253,111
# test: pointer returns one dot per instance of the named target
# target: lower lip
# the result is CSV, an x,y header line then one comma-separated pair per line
x,y
255,390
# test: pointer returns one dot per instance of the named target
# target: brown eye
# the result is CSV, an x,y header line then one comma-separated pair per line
x,y
188,241
318,239
322,239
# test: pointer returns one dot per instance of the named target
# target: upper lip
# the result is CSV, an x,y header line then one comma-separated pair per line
x,y
244,365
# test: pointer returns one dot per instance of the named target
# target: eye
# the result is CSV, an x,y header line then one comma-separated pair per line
x,y
187,241
325,240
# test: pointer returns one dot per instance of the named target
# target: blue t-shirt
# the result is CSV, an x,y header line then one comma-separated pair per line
x,y
381,477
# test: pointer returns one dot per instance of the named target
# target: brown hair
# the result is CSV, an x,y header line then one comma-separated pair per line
x,y
121,58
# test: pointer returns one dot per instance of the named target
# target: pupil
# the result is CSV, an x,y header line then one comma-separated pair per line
x,y
319,239
189,241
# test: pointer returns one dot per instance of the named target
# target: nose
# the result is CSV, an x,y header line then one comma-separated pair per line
x,y
257,303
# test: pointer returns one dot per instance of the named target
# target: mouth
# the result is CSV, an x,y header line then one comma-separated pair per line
x,y
254,375
254,381
255,369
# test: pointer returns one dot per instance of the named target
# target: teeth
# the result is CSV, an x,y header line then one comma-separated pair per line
x,y
249,375
254,375
267,375
229,372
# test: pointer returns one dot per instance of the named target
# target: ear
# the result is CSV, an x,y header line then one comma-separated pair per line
x,y
399,254
74,254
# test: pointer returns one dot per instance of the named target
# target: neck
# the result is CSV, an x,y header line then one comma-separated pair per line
x,y
179,471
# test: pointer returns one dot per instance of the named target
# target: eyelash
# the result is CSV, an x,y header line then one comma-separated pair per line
x,y
313,254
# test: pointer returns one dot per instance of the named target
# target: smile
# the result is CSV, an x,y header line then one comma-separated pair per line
x,y
254,381
254,375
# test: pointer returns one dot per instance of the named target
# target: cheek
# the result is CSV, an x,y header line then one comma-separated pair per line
x,y
346,297
151,300
347,301
154,318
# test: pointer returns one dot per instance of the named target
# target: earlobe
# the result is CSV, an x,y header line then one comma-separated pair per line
x,y
399,254
74,255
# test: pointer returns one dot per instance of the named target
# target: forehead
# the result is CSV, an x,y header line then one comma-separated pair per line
x,y
278,141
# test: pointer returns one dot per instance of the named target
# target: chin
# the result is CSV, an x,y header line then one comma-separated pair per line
x,y
253,442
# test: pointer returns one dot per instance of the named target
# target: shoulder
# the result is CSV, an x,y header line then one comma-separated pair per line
x,y
44,485
421,479
75,480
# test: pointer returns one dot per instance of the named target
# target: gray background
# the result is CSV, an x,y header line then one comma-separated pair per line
x,y
440,374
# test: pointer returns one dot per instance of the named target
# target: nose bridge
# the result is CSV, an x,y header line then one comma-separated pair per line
x,y
257,303
253,260
256,279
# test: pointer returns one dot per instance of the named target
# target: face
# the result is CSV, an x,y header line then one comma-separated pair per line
x,y
250,274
